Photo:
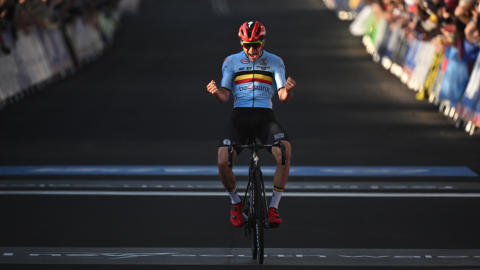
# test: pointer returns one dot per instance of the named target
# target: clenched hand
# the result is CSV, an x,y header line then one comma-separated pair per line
x,y
289,85
212,87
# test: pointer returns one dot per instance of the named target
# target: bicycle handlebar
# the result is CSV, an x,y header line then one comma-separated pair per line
x,y
256,146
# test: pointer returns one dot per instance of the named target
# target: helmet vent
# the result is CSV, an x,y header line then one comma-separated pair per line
x,y
252,31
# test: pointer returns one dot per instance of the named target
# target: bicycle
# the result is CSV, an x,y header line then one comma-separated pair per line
x,y
255,212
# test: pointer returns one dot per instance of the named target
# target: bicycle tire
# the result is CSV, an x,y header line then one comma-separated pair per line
x,y
260,214
251,219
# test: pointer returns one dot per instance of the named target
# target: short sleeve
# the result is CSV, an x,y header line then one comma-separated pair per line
x,y
470,51
227,71
279,74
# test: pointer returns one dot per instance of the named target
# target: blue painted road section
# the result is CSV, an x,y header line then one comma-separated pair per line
x,y
239,170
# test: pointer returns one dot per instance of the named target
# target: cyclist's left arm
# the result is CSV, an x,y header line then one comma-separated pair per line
x,y
285,91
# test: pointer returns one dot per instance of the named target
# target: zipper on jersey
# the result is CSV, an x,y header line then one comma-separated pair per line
x,y
253,85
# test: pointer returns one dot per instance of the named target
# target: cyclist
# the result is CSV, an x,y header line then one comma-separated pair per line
x,y
252,77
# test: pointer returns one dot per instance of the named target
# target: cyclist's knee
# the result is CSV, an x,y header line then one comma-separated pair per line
x,y
223,159
278,158
277,153
289,157
223,165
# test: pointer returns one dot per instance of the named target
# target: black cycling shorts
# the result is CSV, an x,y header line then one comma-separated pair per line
x,y
248,122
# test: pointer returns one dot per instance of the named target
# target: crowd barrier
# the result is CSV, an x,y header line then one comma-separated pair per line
x,y
448,77
46,55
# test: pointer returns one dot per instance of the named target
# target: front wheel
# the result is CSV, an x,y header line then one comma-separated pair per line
x,y
259,214
251,222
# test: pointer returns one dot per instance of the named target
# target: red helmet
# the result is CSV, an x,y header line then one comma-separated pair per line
x,y
252,31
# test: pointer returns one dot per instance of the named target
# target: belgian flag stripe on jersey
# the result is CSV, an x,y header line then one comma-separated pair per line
x,y
266,73
243,81
253,76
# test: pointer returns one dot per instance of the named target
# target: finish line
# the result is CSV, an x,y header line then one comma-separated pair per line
x,y
238,256
239,170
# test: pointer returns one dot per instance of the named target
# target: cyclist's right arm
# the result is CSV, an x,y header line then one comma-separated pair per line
x,y
221,94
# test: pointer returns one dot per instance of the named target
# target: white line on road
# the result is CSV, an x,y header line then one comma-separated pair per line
x,y
291,194
215,185
239,256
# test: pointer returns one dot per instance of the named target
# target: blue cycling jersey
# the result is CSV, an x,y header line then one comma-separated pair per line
x,y
253,84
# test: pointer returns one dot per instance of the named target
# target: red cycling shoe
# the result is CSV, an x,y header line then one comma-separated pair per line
x,y
236,215
274,218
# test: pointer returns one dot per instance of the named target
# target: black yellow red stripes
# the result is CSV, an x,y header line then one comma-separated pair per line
x,y
278,189
232,189
254,76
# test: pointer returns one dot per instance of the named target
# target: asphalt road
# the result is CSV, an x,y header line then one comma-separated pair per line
x,y
145,103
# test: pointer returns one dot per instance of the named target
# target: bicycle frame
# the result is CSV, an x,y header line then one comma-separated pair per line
x,y
255,218
254,165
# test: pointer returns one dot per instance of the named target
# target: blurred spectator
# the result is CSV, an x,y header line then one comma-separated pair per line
x,y
25,15
472,28
44,14
463,12
49,39
449,21
7,16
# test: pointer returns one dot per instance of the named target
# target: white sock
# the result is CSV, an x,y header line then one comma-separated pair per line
x,y
233,195
276,196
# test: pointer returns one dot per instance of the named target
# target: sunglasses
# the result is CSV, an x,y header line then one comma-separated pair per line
x,y
255,45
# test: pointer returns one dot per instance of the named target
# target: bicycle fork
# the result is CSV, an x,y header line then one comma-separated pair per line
x,y
248,218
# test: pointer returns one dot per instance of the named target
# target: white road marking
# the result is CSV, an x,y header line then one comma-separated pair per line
x,y
239,256
359,186
287,194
